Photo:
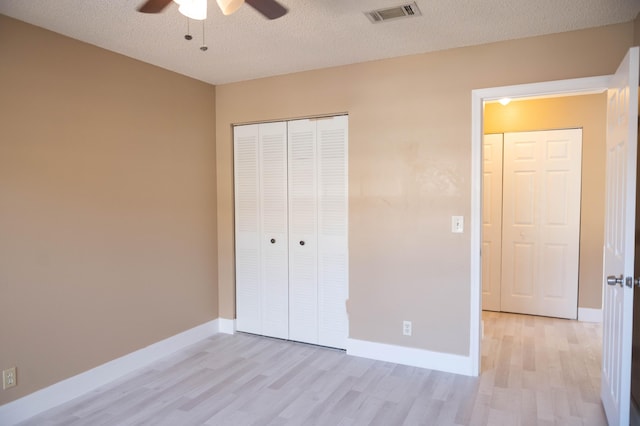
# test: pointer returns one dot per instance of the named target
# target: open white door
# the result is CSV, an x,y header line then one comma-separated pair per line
x,y
622,113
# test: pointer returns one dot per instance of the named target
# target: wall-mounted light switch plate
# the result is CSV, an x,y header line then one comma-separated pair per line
x,y
457,224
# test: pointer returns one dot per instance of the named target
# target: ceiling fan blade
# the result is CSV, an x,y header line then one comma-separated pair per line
x,y
271,9
154,6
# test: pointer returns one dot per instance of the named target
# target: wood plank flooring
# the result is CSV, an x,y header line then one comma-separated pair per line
x,y
535,371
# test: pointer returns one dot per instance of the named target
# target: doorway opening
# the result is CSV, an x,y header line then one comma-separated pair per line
x,y
479,97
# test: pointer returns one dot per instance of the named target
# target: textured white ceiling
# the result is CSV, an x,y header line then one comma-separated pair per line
x,y
314,34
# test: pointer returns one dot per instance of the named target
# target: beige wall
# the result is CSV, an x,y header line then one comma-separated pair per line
x,y
636,31
588,112
409,160
107,205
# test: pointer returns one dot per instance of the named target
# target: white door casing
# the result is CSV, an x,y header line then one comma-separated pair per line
x,y
478,98
541,222
491,221
621,158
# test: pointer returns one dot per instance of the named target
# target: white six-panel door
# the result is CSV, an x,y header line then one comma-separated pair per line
x,y
541,222
491,221
622,146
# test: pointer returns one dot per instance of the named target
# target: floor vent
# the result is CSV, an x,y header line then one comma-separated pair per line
x,y
392,13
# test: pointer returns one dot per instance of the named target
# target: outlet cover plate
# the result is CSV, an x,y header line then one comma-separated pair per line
x,y
9,378
406,328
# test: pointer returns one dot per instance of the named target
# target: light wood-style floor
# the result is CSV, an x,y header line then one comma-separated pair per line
x,y
535,371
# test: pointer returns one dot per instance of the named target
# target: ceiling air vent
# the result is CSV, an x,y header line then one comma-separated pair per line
x,y
391,13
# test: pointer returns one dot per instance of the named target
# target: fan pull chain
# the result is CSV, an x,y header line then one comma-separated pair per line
x,y
204,46
187,36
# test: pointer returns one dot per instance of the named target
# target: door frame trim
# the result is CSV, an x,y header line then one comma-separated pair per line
x,y
478,97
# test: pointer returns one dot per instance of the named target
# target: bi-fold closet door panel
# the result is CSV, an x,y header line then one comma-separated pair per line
x,y
318,212
260,167
303,235
333,214
291,244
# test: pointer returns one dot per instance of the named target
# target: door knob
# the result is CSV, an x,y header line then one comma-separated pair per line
x,y
301,243
273,240
613,280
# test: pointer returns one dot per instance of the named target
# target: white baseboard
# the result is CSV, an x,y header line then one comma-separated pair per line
x,y
68,389
227,326
589,315
450,363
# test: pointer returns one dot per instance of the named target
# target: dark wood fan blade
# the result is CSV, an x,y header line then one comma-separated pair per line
x,y
154,6
271,9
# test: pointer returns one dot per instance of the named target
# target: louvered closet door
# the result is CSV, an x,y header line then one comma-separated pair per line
x,y
333,272
303,222
247,217
273,221
260,161
291,230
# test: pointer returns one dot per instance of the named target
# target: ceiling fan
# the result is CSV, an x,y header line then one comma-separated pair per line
x,y
270,9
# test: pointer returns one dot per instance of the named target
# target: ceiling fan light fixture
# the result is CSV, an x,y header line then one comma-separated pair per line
x,y
229,6
193,9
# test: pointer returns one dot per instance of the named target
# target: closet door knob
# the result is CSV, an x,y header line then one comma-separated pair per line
x,y
273,241
301,243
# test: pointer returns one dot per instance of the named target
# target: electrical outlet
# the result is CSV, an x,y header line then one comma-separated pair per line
x,y
9,378
406,328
